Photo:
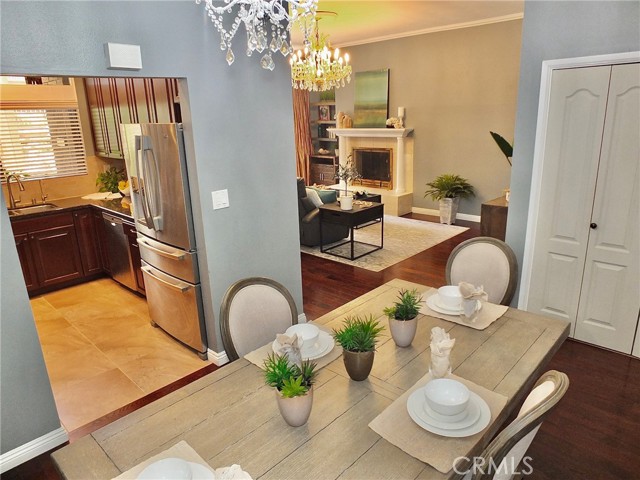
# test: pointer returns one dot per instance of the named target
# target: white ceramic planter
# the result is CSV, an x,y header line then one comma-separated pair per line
x,y
448,210
403,331
346,203
296,410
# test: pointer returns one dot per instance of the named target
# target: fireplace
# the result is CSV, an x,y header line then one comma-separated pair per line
x,y
375,165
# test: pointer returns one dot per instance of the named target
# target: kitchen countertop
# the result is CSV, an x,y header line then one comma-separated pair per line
x,y
119,206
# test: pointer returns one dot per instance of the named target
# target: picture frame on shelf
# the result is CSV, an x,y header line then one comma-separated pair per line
x,y
324,113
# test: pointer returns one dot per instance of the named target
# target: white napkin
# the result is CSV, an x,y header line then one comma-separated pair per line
x,y
234,472
471,292
290,346
441,345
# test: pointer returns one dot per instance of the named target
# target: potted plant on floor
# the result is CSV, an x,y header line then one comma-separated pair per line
x,y
347,172
448,189
403,317
358,337
293,386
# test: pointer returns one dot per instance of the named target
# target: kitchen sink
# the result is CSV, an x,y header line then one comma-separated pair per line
x,y
43,207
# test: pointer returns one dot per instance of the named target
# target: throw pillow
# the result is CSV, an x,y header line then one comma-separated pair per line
x,y
327,195
314,197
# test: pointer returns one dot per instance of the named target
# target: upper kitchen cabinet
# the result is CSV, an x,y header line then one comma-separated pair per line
x,y
113,101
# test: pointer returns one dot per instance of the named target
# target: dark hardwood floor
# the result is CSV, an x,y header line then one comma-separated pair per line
x,y
594,433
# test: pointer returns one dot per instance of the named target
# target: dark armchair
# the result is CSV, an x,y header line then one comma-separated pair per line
x,y
309,218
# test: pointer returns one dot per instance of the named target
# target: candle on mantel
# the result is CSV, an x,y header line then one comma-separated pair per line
x,y
401,112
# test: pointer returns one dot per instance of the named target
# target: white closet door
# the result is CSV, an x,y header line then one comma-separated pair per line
x,y
610,296
570,165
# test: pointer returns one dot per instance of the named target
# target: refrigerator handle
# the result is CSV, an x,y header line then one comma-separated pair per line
x,y
155,193
174,256
142,183
182,287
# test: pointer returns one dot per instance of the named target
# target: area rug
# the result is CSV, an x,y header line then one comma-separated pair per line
x,y
403,238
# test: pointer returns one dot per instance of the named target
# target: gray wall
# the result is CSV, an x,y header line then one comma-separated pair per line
x,y
554,30
239,131
27,410
456,86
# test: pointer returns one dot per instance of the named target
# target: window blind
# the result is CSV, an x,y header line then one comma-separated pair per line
x,y
41,143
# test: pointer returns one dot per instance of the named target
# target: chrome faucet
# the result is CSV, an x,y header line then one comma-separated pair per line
x,y
43,195
12,200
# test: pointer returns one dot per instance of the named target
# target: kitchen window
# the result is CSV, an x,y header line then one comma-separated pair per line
x,y
41,142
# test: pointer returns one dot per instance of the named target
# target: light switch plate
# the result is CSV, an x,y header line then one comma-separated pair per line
x,y
220,199
123,57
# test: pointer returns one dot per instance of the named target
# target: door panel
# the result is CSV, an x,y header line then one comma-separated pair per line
x,y
572,149
610,298
56,255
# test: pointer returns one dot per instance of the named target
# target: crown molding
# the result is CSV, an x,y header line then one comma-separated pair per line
x,y
443,28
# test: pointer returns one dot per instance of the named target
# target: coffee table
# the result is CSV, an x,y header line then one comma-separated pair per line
x,y
359,215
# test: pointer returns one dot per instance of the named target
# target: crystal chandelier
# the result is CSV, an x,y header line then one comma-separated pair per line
x,y
261,18
318,67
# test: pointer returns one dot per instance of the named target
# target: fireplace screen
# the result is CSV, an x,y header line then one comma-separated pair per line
x,y
375,165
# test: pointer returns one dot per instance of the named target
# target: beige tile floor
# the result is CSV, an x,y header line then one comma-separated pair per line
x,y
101,352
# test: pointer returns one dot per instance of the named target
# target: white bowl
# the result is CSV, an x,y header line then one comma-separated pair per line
x,y
309,335
167,469
450,297
126,191
446,396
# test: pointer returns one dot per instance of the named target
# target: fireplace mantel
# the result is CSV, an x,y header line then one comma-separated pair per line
x,y
399,200
371,132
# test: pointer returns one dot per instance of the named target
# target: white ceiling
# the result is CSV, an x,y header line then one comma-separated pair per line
x,y
366,21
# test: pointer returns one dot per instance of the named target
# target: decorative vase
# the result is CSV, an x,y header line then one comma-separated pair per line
x,y
295,410
346,203
403,331
449,210
358,364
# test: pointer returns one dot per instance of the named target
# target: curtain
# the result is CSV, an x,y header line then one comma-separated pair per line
x,y
302,130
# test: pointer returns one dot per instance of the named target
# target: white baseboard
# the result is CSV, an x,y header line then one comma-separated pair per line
x,y
32,449
217,358
436,213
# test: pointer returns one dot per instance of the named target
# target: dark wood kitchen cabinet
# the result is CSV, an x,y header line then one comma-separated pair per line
x,y
88,241
113,101
49,249
26,261
134,250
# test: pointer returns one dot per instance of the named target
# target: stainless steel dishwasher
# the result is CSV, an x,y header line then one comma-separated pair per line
x,y
118,252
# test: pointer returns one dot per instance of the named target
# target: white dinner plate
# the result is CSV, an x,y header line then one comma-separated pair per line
x,y
325,345
433,304
416,412
469,417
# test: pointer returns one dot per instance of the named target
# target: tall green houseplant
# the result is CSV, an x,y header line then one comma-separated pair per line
x,y
448,189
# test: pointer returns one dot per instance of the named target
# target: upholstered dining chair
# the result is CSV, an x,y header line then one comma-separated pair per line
x,y
502,458
485,261
253,311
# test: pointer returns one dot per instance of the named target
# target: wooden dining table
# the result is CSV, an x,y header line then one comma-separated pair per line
x,y
230,416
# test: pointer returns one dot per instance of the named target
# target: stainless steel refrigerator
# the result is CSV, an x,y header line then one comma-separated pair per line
x,y
157,171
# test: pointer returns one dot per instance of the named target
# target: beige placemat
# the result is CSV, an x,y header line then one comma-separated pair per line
x,y
258,356
180,450
488,314
395,425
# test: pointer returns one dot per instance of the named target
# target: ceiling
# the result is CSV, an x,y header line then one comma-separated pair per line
x,y
366,21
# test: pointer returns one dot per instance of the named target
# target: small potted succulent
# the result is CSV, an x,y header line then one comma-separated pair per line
x,y
403,317
448,189
293,386
358,337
